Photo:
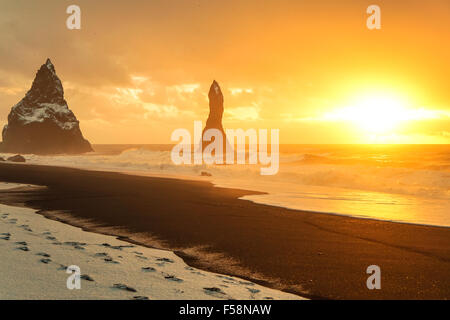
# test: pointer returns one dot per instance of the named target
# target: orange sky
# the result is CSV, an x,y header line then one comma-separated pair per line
x,y
137,70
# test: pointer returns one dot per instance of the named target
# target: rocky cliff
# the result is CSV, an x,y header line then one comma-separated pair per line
x,y
42,123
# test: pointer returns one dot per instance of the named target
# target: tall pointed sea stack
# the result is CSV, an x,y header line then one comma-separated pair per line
x,y
215,113
42,123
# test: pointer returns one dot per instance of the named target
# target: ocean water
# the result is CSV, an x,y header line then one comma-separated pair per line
x,y
402,183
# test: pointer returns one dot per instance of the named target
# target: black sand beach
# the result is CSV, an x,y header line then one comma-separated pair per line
x,y
314,255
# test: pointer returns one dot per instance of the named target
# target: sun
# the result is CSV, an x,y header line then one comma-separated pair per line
x,y
378,114
374,113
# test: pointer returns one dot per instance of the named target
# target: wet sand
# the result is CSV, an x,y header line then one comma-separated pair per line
x,y
310,254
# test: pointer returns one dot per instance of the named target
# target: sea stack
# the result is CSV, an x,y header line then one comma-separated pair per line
x,y
215,113
42,123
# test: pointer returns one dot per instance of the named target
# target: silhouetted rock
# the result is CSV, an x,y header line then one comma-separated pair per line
x,y
215,114
42,123
16,158
205,174
1,159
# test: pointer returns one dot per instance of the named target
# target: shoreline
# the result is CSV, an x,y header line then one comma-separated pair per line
x,y
354,217
331,248
267,196
249,193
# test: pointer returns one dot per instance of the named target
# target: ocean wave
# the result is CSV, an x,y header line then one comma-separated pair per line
x,y
295,169
378,185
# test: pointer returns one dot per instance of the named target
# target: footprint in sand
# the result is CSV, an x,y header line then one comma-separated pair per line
x,y
214,291
46,261
128,246
43,254
23,248
164,260
106,257
148,269
246,283
141,257
123,287
140,298
51,238
111,260
253,291
5,237
101,254
172,278
225,277
117,247
23,244
12,221
86,277
75,243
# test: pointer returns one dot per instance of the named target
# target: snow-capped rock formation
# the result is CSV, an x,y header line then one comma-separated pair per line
x,y
42,123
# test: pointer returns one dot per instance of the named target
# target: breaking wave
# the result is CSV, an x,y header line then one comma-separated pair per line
x,y
343,180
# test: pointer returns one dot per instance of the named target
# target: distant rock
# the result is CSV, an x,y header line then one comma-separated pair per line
x,y
16,158
205,174
215,114
42,123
